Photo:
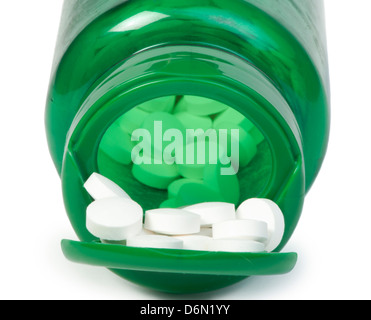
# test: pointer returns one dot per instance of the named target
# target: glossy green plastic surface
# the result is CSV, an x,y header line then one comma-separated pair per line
x,y
179,261
119,54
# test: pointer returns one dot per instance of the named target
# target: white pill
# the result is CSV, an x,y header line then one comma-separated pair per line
x,y
155,241
195,242
269,212
100,187
114,219
213,212
145,232
172,221
241,229
236,245
206,231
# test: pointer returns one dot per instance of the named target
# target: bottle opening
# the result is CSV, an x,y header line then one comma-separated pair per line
x,y
176,151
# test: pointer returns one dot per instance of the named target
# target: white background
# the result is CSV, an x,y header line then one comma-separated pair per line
x,y
333,236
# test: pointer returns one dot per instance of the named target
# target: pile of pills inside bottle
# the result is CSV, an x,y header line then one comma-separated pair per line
x,y
153,139
257,225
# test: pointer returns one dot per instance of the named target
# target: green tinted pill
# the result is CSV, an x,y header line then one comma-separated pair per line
x,y
167,121
248,149
170,203
200,106
196,155
192,171
257,135
175,186
191,121
247,125
132,119
229,115
241,146
157,176
233,116
162,130
164,104
117,144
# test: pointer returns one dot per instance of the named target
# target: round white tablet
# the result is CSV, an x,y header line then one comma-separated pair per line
x,y
155,241
172,221
241,229
195,242
145,232
206,231
114,219
100,187
213,212
269,212
236,245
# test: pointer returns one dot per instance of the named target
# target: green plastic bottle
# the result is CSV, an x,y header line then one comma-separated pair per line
x,y
265,59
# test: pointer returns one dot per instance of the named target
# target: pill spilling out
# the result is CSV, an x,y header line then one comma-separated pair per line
x,y
236,245
241,229
155,241
99,187
257,225
172,221
268,211
114,219
213,212
195,242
